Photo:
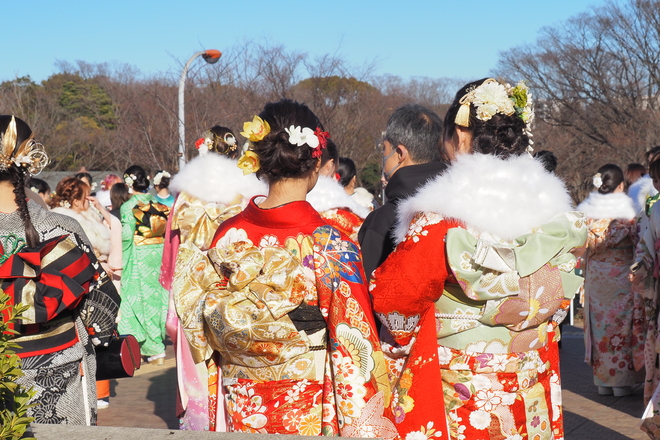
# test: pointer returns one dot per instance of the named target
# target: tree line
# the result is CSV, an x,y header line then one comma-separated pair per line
x,y
595,80
108,117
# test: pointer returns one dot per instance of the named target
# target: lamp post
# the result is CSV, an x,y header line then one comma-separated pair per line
x,y
211,56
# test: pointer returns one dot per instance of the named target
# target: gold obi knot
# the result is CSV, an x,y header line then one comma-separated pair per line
x,y
248,319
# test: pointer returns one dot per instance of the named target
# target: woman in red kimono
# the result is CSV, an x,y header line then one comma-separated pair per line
x,y
482,274
282,299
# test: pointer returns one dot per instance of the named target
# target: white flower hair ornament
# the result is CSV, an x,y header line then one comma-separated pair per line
x,y
129,179
492,97
29,156
597,180
230,140
317,140
65,204
205,143
159,176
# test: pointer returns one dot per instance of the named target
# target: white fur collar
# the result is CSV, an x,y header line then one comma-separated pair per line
x,y
329,194
97,233
216,178
614,205
640,190
505,197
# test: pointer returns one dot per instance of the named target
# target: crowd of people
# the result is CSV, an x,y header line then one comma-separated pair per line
x,y
297,305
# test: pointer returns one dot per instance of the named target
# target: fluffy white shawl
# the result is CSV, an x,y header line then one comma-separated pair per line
x,y
216,178
97,233
504,197
614,205
329,194
640,190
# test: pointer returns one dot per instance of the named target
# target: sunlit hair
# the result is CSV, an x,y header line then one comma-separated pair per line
x,y
279,158
69,190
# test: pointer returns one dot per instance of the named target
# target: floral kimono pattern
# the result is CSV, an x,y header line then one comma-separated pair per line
x,y
345,221
645,293
475,318
281,297
194,221
610,341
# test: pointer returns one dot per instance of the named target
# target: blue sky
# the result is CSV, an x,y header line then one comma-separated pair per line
x,y
434,38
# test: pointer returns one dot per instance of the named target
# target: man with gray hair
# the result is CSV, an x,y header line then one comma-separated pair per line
x,y
411,157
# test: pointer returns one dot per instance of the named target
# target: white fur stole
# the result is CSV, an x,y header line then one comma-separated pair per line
x,y
97,233
329,194
504,197
216,178
640,190
614,205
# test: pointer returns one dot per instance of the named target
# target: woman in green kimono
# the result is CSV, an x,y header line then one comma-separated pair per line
x,y
144,301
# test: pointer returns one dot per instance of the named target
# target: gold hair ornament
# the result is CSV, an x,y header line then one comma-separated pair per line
x,y
29,156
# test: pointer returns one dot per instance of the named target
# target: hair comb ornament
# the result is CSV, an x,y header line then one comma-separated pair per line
x,y
29,156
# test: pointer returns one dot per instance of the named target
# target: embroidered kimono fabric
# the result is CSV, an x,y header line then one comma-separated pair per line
x,y
281,297
471,296
144,301
483,333
72,307
194,221
345,221
610,342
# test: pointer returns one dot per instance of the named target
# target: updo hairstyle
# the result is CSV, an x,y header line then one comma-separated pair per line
x,y
278,158
612,176
68,190
222,137
40,185
164,180
139,176
502,135
346,170
17,176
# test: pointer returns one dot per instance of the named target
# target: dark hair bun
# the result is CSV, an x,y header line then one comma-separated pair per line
x,y
140,181
278,158
612,177
224,141
501,135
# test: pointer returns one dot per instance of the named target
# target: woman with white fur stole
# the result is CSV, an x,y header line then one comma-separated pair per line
x,y
481,276
211,189
610,312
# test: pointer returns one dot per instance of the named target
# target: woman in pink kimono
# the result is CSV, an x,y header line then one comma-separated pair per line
x,y
609,307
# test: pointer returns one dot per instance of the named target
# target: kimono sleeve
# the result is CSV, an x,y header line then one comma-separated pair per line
x,y
412,278
356,384
600,239
127,229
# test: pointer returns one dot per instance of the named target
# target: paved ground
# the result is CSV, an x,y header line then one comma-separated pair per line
x,y
148,399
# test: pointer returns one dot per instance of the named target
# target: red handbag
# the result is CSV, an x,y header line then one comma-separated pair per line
x,y
119,359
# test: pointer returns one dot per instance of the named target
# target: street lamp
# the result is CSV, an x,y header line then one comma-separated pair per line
x,y
211,56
